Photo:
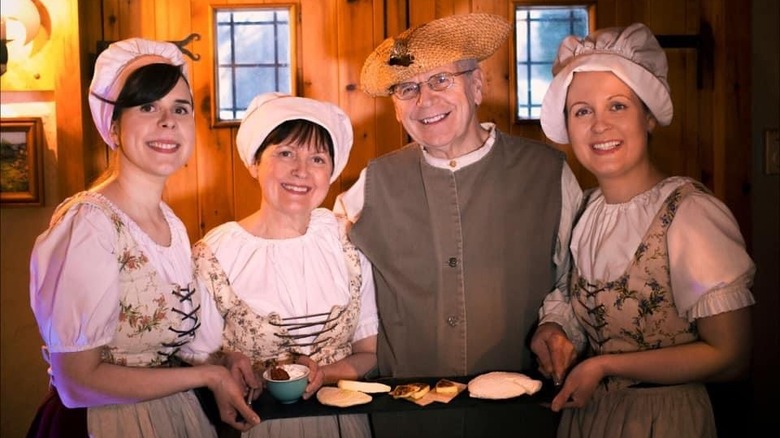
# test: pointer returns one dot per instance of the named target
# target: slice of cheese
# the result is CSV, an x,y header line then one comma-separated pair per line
x,y
367,387
341,398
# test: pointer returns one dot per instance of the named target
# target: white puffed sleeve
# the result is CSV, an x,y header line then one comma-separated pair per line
x,y
711,271
74,281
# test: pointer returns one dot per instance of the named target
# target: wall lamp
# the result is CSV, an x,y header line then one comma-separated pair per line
x,y
20,22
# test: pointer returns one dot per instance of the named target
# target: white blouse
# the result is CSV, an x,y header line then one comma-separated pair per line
x,y
74,277
293,277
710,270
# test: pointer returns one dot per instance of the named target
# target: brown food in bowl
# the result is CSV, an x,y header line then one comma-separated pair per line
x,y
278,373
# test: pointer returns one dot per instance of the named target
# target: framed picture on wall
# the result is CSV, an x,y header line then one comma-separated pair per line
x,y
21,161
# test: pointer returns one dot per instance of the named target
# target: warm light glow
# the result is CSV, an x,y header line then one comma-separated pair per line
x,y
21,20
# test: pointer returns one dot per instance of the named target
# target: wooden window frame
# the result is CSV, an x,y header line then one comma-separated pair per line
x,y
513,84
292,9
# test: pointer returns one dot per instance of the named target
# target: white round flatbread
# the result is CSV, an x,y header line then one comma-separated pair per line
x,y
498,385
341,398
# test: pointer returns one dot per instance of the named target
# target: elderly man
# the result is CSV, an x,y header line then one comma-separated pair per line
x,y
467,228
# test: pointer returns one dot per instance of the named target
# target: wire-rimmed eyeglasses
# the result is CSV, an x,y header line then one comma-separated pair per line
x,y
437,82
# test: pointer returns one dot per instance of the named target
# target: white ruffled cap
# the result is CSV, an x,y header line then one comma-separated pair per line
x,y
112,68
267,111
632,54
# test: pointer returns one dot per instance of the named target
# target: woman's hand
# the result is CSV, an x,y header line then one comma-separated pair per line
x,y
230,399
316,376
243,373
580,384
554,351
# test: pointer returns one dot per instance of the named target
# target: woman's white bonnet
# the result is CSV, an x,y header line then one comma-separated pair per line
x,y
112,68
269,110
631,53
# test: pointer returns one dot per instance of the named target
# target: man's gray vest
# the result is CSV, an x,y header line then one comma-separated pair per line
x,y
462,260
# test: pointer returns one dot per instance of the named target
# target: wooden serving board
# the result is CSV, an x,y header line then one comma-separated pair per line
x,y
433,396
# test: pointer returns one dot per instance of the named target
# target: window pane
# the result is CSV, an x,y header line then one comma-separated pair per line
x,y
224,17
255,16
226,92
254,80
283,45
539,32
255,44
285,86
253,56
224,44
522,41
541,77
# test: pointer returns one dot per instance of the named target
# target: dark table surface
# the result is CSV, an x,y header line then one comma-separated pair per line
x,y
269,408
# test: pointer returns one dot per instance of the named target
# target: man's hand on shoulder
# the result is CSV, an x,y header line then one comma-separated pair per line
x,y
344,226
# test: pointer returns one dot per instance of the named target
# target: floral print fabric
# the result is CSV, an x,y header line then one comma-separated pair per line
x,y
155,318
265,338
636,311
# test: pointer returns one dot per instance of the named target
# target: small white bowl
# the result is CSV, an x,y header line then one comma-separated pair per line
x,y
288,391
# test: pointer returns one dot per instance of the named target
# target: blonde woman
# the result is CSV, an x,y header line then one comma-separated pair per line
x,y
661,277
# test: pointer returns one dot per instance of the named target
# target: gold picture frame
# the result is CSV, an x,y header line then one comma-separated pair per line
x,y
21,161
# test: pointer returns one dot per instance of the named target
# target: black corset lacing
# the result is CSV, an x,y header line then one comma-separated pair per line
x,y
290,325
169,358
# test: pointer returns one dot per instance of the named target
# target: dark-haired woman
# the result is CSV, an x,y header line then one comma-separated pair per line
x,y
111,282
283,282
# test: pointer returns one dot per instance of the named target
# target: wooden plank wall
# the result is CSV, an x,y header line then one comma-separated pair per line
x,y
70,150
333,39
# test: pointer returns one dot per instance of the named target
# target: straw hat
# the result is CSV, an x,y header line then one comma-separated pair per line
x,y
632,54
112,68
430,45
269,110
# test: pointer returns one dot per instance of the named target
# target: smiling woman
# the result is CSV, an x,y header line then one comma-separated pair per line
x,y
284,283
661,279
116,261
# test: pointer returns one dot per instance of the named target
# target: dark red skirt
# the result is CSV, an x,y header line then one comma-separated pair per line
x,y
54,419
